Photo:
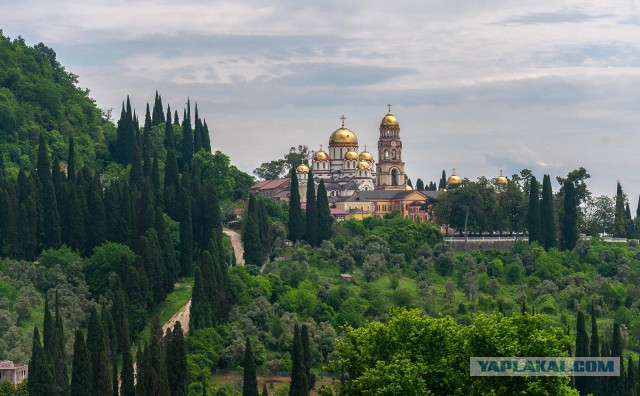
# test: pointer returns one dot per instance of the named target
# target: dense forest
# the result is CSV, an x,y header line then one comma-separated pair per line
x,y
103,224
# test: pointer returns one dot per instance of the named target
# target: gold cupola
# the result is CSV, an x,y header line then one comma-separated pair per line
x,y
454,180
362,165
502,180
389,119
351,155
302,168
343,137
321,155
365,155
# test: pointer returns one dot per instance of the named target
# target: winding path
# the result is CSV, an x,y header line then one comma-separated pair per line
x,y
236,242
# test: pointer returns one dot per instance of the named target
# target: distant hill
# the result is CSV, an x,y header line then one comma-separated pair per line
x,y
38,96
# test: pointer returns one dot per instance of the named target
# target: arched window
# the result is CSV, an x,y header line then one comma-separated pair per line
x,y
324,165
393,154
395,176
386,154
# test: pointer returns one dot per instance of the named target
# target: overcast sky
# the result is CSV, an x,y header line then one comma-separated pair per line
x,y
476,85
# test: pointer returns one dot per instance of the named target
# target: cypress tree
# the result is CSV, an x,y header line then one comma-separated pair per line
x,y
155,180
157,367
169,139
187,140
8,221
127,387
47,327
176,119
419,185
186,231
533,215
582,349
324,214
176,361
549,225
311,214
171,185
298,386
81,378
120,315
96,223
71,159
136,173
307,358
104,384
197,135
206,138
638,207
617,383
253,250
594,351
200,309
619,230
631,380
115,383
569,226
295,223
249,381
264,225
50,216
443,181
96,345
40,381
57,353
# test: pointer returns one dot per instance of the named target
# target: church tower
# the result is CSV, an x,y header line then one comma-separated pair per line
x,y
390,168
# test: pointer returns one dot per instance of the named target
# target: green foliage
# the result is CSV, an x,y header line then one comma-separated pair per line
x,y
106,259
398,357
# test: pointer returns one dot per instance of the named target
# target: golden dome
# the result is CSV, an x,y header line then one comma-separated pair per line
x,y
302,168
363,165
389,120
343,137
408,188
366,156
351,155
454,179
321,156
501,180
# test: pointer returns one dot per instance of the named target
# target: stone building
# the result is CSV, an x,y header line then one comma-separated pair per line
x,y
12,373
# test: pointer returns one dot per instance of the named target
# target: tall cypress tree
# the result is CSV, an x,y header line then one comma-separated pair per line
x,y
81,378
206,138
200,316
298,386
295,223
638,207
549,225
41,382
127,387
594,351
582,349
443,181
58,354
47,327
619,230
176,361
324,214
71,159
120,314
569,226
617,383
631,379
249,379
253,249
96,344
307,358
419,185
264,224
186,230
533,215
311,214
187,140
115,382
50,216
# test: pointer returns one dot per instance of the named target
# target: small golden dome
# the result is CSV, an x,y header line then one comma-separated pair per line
x,y
321,156
389,120
351,155
408,188
302,168
501,180
366,156
454,179
363,165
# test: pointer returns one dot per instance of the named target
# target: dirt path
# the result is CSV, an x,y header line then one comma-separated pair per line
x,y
181,316
236,242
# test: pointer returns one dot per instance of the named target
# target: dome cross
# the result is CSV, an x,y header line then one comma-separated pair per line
x,y
343,118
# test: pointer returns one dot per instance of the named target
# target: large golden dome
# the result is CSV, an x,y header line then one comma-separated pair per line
x,y
351,155
343,137
363,165
321,156
454,179
302,168
366,156
501,180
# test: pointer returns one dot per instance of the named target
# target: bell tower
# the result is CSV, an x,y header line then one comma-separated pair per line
x,y
390,168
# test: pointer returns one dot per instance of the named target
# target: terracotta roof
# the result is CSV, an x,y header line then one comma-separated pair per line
x,y
270,184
